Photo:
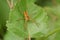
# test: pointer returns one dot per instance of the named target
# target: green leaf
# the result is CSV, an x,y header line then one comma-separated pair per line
x,y
44,18
11,36
17,27
4,12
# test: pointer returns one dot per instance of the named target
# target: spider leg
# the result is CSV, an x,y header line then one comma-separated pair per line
x,y
25,27
37,24
20,19
29,37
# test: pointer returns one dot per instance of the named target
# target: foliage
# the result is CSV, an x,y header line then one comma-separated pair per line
x,y
4,12
44,23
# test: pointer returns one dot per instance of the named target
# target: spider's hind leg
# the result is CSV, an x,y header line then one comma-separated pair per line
x,y
37,24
